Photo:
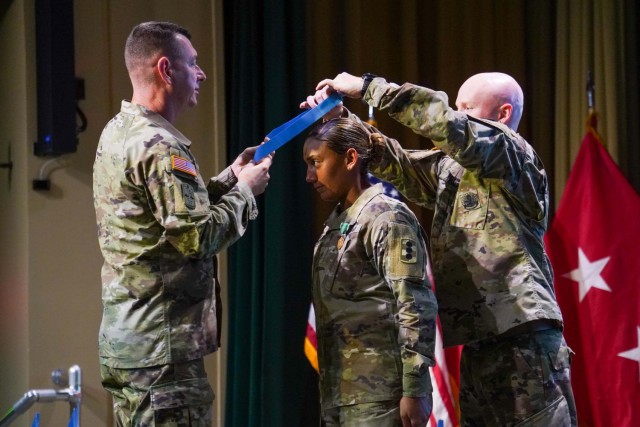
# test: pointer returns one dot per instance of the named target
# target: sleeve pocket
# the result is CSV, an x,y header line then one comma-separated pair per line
x,y
190,195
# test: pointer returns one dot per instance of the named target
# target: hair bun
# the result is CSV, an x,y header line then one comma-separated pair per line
x,y
377,148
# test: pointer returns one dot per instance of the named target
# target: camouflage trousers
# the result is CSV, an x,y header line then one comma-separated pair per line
x,y
517,381
374,414
176,395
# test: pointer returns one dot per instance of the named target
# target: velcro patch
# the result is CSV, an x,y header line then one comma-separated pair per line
x,y
183,165
188,195
407,257
409,252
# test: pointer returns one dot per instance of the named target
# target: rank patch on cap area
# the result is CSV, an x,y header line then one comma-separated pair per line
x,y
183,165
409,252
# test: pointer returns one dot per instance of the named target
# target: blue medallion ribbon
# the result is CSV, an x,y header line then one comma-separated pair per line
x,y
287,131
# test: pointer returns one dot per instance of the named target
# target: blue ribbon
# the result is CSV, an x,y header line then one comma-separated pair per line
x,y
286,132
74,420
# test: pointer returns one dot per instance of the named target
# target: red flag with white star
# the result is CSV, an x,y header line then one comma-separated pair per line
x,y
593,244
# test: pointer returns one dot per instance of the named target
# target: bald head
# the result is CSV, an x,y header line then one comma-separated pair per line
x,y
492,96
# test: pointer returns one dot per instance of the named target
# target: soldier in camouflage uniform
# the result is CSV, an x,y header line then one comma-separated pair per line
x,y
494,282
159,228
375,309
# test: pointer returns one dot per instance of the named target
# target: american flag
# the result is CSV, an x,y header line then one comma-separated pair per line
x,y
183,165
310,340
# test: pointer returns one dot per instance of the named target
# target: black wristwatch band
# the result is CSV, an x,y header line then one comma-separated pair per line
x,y
367,77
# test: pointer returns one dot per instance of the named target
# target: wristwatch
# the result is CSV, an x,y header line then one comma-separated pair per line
x,y
367,77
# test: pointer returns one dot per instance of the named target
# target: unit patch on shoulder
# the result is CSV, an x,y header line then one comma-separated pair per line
x,y
183,165
406,253
409,253
188,195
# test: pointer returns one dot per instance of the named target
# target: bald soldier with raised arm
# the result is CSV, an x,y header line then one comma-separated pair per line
x,y
494,284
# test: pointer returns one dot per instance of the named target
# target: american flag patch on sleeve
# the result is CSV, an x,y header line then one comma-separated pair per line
x,y
183,165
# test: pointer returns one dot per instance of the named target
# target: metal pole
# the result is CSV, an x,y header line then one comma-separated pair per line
x,y
75,391
71,394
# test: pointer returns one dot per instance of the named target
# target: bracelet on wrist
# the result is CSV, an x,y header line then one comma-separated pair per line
x,y
367,78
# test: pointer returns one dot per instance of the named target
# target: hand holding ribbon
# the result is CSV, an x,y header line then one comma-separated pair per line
x,y
287,131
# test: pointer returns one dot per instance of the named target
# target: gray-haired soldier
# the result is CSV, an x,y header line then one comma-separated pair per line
x,y
494,282
159,228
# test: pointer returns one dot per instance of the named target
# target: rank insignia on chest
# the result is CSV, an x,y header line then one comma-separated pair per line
x,y
183,165
409,253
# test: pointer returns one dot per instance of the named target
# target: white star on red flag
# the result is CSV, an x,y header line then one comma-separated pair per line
x,y
634,353
588,274
594,240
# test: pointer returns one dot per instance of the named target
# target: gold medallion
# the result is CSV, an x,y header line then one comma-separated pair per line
x,y
340,242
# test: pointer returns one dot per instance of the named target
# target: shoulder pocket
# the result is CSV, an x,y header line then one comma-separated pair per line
x,y
189,192
190,197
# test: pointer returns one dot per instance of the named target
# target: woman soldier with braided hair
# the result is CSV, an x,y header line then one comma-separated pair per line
x,y
372,292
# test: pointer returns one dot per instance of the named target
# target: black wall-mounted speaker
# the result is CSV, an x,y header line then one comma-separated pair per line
x,y
56,79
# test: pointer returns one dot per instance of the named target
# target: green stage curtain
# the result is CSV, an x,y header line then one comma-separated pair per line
x,y
269,381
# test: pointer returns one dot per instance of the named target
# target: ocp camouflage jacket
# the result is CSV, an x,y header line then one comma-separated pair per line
x,y
159,229
375,309
489,193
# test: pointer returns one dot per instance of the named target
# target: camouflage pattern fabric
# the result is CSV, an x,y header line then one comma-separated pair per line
x,y
176,395
376,414
375,310
521,380
489,192
159,228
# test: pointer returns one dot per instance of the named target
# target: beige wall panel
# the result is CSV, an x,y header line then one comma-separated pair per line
x,y
50,262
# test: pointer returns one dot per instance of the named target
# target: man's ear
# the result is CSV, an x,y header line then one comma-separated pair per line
x,y
504,113
351,158
164,70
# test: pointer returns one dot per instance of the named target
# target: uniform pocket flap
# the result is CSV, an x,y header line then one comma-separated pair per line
x,y
555,415
561,359
183,393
